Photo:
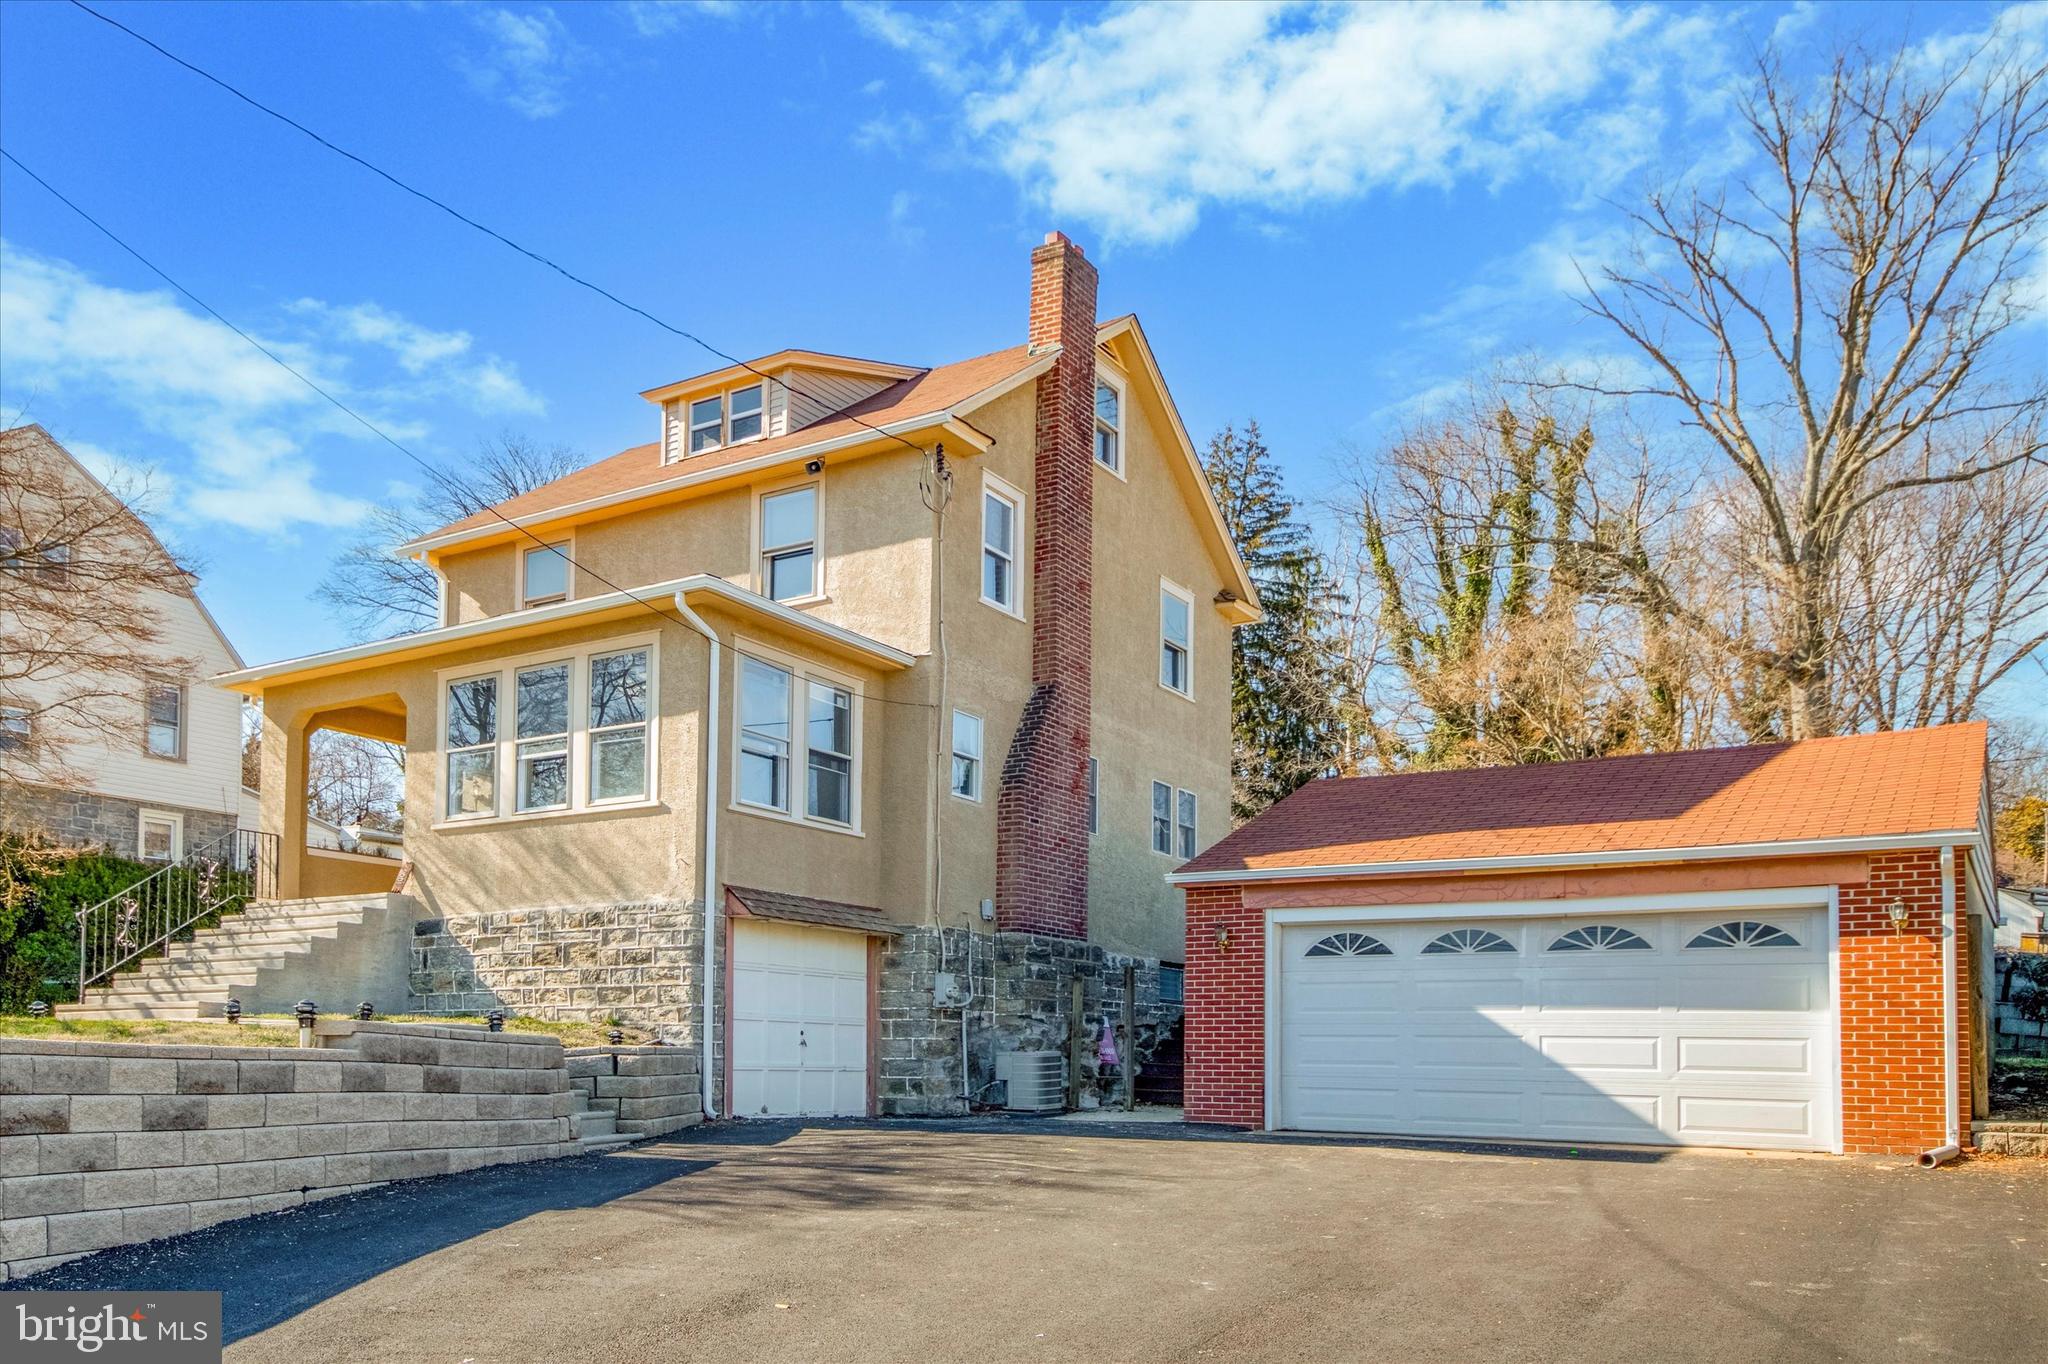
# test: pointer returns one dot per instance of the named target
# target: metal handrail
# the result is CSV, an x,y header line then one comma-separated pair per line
x,y
209,880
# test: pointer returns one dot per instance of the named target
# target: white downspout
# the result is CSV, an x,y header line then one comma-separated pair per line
x,y
709,795
1952,1143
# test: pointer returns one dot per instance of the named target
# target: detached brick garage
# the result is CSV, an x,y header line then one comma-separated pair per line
x,y
1780,946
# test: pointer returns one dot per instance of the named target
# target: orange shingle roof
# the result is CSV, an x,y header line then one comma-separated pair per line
x,y
929,393
1904,782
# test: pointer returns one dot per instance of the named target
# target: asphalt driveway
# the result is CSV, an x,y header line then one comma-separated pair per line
x,y
1044,1241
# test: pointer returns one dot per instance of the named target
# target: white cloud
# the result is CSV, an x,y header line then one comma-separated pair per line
x,y
1138,119
1538,277
657,18
904,229
889,132
242,420
525,61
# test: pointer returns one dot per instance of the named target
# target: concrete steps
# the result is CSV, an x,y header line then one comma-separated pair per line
x,y
268,956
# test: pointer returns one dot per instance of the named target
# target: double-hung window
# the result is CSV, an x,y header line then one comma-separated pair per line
x,y
966,755
747,413
1176,639
160,836
789,543
472,747
540,699
777,704
1094,796
15,729
727,418
1162,818
1109,427
544,575
1184,823
164,720
1001,508
618,726
580,734
764,734
707,424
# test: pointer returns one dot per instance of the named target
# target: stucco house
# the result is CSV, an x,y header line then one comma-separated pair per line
x,y
912,683
155,771
1777,946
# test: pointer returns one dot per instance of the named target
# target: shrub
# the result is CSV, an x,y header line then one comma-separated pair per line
x,y
42,888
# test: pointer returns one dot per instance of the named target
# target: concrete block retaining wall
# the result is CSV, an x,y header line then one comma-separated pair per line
x,y
107,1143
650,1090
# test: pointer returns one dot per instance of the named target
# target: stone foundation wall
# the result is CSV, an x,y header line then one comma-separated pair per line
x,y
1021,986
86,819
107,1143
639,963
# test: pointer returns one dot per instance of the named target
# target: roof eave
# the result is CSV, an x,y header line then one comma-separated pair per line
x,y
1801,847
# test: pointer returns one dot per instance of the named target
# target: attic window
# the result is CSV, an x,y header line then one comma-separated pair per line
x,y
727,418
1109,427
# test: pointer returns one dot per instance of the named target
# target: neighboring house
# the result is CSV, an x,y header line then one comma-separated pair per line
x,y
326,836
1779,946
164,776
2023,919
919,678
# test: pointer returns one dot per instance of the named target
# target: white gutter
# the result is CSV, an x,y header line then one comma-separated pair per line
x,y
709,795
1954,1137
1608,857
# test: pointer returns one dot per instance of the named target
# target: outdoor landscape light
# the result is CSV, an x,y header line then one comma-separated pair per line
x,y
233,1011
616,1037
366,1011
1897,909
38,1010
307,1012
495,1020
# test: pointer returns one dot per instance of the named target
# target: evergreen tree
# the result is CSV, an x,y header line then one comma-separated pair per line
x,y
1283,716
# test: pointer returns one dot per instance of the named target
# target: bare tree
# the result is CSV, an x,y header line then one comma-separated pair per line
x,y
377,593
349,779
1839,330
81,583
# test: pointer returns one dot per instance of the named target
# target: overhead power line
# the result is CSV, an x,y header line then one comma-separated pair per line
x,y
467,221
433,471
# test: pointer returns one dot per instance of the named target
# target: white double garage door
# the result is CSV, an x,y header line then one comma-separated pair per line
x,y
1706,1028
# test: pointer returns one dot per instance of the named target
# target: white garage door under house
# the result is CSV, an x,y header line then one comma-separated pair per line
x,y
799,1021
1709,1027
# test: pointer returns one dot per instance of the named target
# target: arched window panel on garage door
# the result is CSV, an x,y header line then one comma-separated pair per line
x,y
1601,938
1465,941
1743,933
1349,945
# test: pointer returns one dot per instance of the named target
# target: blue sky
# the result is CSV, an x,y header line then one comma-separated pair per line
x,y
1323,215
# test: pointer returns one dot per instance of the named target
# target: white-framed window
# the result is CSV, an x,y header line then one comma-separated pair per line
x,y
728,418
1184,823
966,755
778,701
540,715
1002,516
1109,425
828,725
789,544
764,734
163,720
1094,796
470,739
1176,638
581,733
1162,818
160,836
620,695
16,729
544,574
50,563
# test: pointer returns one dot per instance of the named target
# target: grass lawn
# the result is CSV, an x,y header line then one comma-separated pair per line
x,y
275,1030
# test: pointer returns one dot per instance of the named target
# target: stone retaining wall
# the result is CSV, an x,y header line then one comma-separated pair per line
x,y
2011,1138
650,1090
106,1143
2012,1035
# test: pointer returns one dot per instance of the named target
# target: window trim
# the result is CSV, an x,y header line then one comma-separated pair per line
x,y
567,547
173,818
758,531
1168,587
811,685
506,746
979,757
802,671
1094,796
184,695
1008,493
1122,428
567,736
1167,787
723,397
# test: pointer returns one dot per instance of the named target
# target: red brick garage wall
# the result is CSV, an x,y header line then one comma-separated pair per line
x,y
1890,1007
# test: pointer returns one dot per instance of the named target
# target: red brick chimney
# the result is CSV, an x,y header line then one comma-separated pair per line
x,y
1042,808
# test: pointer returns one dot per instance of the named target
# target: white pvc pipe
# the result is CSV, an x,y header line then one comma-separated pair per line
x,y
709,795
1940,1155
1948,1001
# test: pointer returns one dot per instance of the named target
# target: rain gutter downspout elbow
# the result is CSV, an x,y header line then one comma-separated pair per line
x,y
709,796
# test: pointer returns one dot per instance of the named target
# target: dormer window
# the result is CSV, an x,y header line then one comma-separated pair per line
x,y
727,418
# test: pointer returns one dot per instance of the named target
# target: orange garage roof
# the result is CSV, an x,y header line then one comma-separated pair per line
x,y
1915,781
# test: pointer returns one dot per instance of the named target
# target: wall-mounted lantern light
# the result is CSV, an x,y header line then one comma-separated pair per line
x,y
1897,909
1222,938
